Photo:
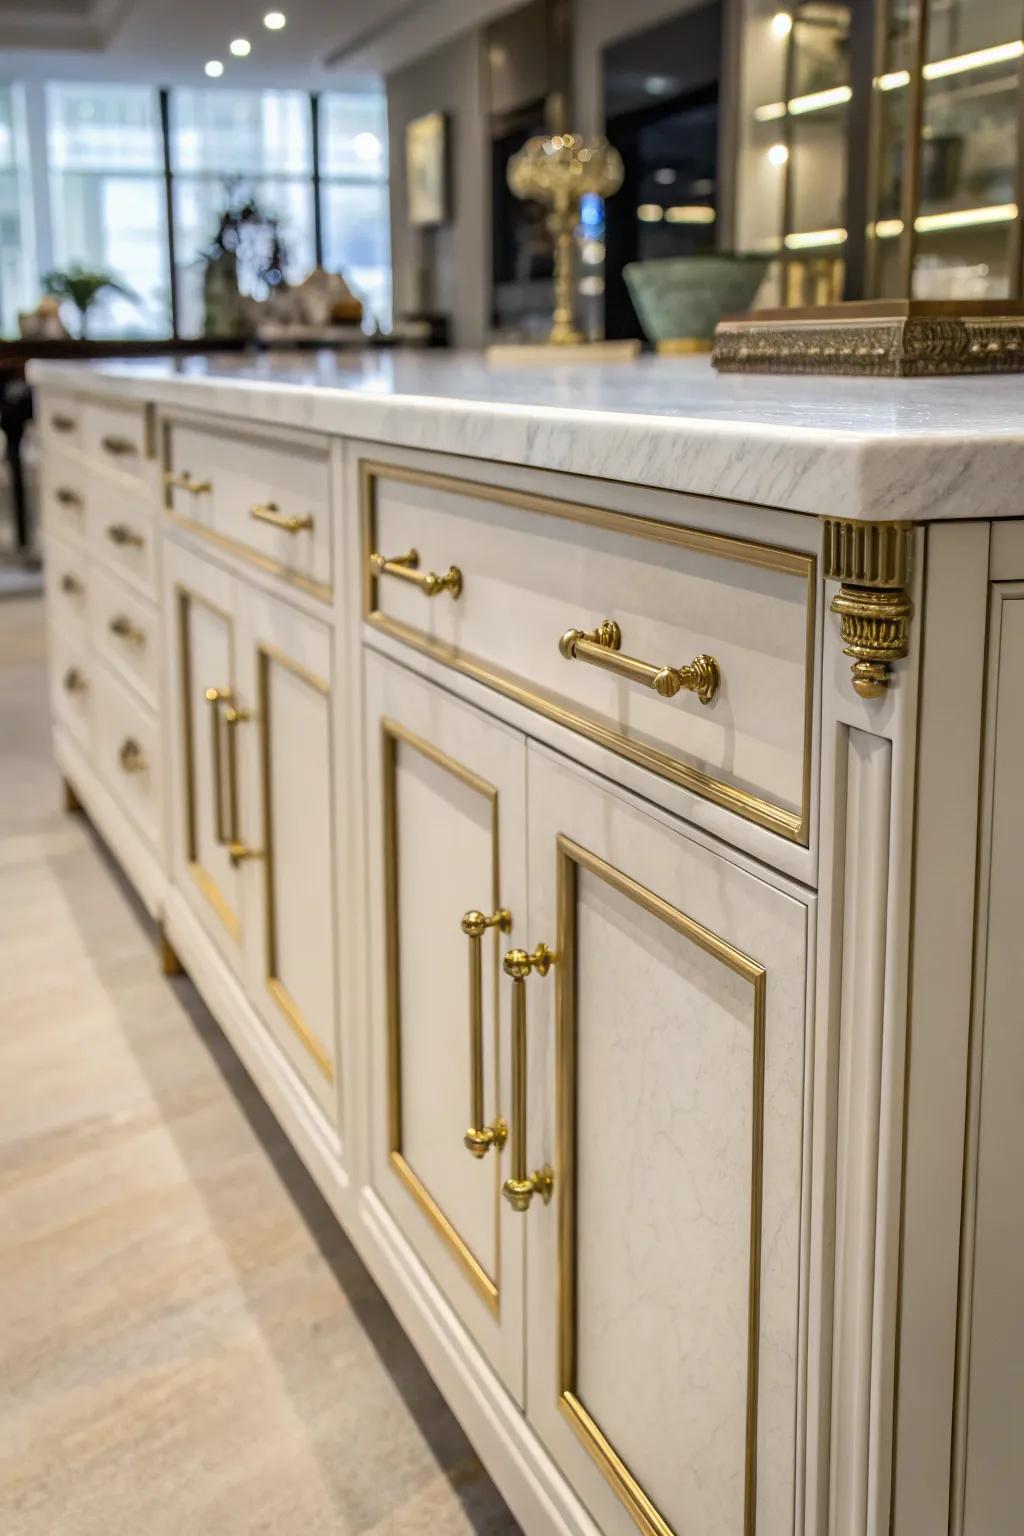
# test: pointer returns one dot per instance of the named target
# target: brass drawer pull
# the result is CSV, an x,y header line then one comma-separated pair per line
x,y
406,568
601,647
74,681
71,585
215,697
122,626
267,512
131,756
120,447
120,533
480,1138
225,828
520,1188
66,497
61,423
185,482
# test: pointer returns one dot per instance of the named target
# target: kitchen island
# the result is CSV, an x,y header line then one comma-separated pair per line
x,y
587,799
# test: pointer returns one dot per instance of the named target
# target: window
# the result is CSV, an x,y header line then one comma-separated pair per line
x,y
108,200
354,196
228,147
19,287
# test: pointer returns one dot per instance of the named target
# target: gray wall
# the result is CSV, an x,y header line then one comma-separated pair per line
x,y
445,269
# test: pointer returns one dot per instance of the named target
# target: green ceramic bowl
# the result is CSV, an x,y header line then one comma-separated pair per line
x,y
682,298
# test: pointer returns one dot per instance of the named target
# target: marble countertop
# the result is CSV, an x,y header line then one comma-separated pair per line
x,y
887,449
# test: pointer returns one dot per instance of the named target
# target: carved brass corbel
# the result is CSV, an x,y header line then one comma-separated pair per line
x,y
871,562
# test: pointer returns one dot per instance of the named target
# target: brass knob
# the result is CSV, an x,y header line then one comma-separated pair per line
x,y
74,681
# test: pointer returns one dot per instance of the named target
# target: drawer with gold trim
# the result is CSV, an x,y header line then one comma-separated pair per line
x,y
115,437
121,533
687,651
264,496
67,585
125,631
63,493
72,684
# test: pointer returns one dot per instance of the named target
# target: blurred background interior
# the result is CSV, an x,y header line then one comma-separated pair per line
x,y
209,177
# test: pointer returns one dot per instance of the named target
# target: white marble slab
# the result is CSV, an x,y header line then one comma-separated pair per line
x,y
890,449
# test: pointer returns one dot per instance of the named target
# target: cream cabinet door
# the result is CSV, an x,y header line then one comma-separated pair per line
x,y
286,836
447,855
666,1051
199,600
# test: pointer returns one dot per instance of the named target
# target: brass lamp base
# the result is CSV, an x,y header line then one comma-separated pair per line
x,y
547,352
899,338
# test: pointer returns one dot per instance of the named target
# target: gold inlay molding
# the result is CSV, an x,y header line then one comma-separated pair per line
x,y
571,858
792,825
871,562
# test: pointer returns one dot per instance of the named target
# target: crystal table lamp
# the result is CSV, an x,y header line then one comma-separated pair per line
x,y
557,171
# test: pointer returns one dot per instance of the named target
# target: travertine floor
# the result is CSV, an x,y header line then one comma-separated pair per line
x,y
188,1345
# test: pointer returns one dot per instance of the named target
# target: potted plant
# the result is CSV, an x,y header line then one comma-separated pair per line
x,y
82,288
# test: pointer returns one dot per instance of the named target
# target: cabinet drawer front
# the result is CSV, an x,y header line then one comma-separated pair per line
x,y
125,631
72,685
126,748
115,436
60,420
121,534
68,584
533,568
667,1069
63,494
267,497
446,838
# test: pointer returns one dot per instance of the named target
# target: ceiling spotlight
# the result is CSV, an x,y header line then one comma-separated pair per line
x,y
241,47
778,154
214,68
274,21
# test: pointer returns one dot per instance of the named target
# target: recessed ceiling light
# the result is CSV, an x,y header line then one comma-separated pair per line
x,y
214,68
274,20
241,47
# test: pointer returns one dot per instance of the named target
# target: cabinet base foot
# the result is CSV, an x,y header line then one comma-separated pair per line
x,y
72,804
170,963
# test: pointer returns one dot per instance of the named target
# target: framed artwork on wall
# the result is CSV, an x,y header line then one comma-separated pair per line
x,y
426,177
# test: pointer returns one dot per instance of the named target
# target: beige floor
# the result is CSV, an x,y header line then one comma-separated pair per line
x,y
188,1345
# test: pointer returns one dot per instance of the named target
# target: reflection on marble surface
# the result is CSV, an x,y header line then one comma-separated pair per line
x,y
887,449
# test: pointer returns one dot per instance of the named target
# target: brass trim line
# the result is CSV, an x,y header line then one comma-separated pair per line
x,y
392,736
267,655
572,858
794,826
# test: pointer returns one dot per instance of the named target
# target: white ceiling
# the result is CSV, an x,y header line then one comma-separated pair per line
x,y
167,42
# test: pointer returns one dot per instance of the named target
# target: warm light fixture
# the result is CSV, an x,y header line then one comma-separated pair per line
x,y
665,176
690,213
770,111
778,154
894,80
241,47
966,218
810,239
274,21
888,229
782,23
817,101
1002,53
650,213
214,68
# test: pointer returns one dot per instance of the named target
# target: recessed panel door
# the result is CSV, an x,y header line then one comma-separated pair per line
x,y
664,1046
199,597
448,892
286,841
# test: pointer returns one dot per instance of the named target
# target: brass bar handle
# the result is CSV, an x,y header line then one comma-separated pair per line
x,y
269,512
71,585
74,681
215,697
120,447
406,568
122,626
184,482
120,533
520,1188
238,851
600,646
67,497
480,1138
131,756
61,423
